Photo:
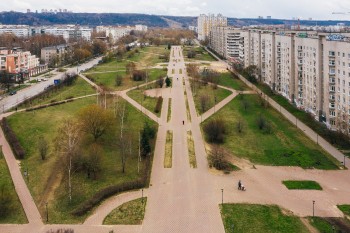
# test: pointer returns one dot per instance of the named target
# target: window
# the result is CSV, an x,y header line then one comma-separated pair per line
x,y
332,113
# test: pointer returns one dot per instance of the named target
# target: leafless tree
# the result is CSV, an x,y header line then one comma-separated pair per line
x,y
67,143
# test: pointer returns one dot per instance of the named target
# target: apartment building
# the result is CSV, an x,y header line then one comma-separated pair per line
x,y
310,69
54,55
20,62
68,32
226,41
207,22
17,30
114,33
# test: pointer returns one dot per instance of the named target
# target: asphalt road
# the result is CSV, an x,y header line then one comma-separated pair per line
x,y
12,101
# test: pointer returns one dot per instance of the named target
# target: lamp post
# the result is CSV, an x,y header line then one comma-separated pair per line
x,y
47,212
142,196
222,196
313,208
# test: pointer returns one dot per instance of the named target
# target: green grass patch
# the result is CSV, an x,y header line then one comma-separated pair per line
x,y
345,209
29,126
79,88
302,184
283,145
15,214
169,110
146,101
209,93
168,156
259,218
108,79
187,108
325,225
227,79
129,213
201,54
191,150
335,138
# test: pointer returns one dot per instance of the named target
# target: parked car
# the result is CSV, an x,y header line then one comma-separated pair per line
x,y
13,92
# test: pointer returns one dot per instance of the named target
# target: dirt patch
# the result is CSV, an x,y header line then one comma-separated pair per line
x,y
52,184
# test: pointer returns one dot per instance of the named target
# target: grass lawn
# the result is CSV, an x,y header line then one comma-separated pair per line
x,y
149,56
168,155
325,225
50,184
211,93
16,214
302,184
201,54
340,142
191,151
146,101
108,79
187,108
79,88
229,80
259,218
285,145
129,213
169,110
345,209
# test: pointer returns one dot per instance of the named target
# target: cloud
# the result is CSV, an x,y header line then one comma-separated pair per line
x,y
317,9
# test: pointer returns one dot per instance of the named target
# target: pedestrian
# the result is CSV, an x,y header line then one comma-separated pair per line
x,y
239,185
183,122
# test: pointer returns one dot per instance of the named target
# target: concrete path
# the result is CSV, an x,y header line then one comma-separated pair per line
x,y
30,209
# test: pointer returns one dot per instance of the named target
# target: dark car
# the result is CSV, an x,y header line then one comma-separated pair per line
x,y
13,92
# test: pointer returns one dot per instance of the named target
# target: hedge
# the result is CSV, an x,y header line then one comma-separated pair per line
x,y
12,139
113,190
158,107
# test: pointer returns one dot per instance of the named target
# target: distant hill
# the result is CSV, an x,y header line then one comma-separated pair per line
x,y
95,19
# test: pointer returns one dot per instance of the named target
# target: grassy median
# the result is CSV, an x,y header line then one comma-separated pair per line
x,y
168,156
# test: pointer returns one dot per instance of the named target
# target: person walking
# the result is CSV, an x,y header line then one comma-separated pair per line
x,y
239,185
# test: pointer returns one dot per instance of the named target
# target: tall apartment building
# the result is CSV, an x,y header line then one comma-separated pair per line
x,y
226,41
206,22
310,69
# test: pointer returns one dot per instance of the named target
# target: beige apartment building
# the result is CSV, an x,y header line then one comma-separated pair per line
x,y
225,41
310,69
207,22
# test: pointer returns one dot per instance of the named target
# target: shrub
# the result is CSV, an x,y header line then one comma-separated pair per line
x,y
12,139
158,107
167,81
263,124
118,80
139,75
191,54
216,158
215,130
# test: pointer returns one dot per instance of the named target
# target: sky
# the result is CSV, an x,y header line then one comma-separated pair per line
x,y
286,9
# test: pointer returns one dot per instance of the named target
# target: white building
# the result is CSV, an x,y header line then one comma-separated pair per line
x,y
141,28
226,41
114,33
18,30
206,22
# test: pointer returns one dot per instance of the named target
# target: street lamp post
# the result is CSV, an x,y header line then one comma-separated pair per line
x,y
313,208
47,212
222,196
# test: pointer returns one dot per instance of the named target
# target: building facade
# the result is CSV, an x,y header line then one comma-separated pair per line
x,y
310,69
206,22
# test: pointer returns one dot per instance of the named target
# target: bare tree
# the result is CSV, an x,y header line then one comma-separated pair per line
x,y
122,141
67,143
204,101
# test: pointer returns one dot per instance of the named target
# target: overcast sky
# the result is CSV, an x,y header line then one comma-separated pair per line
x,y
287,9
